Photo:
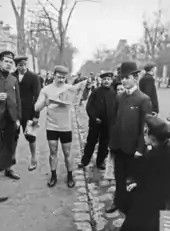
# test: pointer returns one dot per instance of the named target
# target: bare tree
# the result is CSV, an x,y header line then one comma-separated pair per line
x,y
55,21
156,36
20,23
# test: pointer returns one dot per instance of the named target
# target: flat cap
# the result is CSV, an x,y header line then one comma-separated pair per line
x,y
149,66
157,127
8,54
20,59
107,74
61,69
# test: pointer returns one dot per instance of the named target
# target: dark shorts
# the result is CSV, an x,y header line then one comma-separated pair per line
x,y
29,138
65,137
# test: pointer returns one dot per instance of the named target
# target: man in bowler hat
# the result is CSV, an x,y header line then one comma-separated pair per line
x,y
152,193
29,91
10,113
101,111
127,139
147,86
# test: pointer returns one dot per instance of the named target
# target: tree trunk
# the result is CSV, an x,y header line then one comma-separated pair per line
x,y
21,48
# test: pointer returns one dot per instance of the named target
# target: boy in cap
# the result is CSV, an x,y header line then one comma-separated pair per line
x,y
101,111
29,91
152,193
10,113
58,123
147,86
127,140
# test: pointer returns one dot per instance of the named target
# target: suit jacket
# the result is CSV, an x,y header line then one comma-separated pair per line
x,y
29,91
9,85
147,86
153,191
128,132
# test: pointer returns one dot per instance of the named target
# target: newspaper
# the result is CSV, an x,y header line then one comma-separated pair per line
x,y
71,95
31,129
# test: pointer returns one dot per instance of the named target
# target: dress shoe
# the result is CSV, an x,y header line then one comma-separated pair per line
x,y
70,182
32,166
81,165
52,182
101,167
3,199
11,174
111,209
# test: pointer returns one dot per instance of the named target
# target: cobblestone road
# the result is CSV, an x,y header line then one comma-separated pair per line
x,y
32,206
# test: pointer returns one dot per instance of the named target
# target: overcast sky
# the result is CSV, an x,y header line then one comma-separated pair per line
x,y
97,24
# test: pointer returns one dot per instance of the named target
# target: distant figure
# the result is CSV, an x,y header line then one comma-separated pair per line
x,y
147,86
41,80
48,79
78,79
119,88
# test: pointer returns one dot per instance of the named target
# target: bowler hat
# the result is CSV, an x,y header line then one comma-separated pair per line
x,y
8,54
157,127
128,68
149,66
106,74
61,69
20,59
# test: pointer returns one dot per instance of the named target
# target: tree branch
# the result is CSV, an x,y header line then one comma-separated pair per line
x,y
69,16
55,8
23,8
14,8
50,24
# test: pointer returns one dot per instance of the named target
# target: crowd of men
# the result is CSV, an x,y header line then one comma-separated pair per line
x,y
120,108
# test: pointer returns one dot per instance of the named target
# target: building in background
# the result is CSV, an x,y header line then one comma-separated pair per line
x,y
8,41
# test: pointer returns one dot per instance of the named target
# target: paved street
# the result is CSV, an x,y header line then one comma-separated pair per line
x,y
32,206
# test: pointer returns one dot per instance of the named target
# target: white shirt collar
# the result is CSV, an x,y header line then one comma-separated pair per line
x,y
131,90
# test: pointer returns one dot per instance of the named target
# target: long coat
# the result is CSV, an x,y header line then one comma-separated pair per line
x,y
101,104
10,112
153,193
147,86
127,133
29,92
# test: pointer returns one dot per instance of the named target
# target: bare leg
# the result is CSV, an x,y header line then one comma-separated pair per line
x,y
66,147
33,165
53,146
33,151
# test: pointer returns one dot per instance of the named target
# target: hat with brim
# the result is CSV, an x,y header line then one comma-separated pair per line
x,y
21,60
128,68
8,54
107,74
158,127
149,67
61,70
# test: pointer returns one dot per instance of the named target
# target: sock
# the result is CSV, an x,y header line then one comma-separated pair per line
x,y
53,174
70,174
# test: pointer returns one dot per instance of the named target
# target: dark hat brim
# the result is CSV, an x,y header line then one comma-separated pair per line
x,y
130,73
8,54
61,70
157,127
106,74
20,59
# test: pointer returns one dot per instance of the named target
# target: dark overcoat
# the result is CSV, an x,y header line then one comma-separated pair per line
x,y
10,112
128,132
101,104
153,193
29,92
147,86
